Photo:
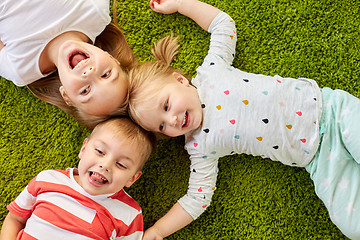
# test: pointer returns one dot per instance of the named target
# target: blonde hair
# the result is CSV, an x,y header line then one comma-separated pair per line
x,y
145,80
111,40
124,127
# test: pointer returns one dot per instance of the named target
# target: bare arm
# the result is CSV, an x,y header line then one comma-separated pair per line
x,y
202,13
174,220
12,225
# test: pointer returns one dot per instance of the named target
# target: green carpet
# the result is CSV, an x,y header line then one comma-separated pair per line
x,y
255,198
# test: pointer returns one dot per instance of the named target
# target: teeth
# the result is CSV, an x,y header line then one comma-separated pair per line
x,y
77,65
96,174
184,120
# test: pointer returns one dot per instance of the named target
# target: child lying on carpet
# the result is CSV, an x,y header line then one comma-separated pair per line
x,y
50,49
88,201
226,111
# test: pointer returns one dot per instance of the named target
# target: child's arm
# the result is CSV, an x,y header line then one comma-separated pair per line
x,y
202,13
12,225
174,220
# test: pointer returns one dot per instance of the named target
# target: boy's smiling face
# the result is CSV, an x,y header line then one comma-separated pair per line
x,y
108,162
175,110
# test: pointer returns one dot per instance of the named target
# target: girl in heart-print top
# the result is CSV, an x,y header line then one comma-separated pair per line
x,y
226,111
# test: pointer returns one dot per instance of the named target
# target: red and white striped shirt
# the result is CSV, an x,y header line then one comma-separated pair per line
x,y
58,208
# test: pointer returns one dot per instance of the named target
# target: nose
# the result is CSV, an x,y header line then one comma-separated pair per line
x,y
173,121
105,164
89,71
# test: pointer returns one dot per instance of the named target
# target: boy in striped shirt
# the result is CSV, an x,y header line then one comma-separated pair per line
x,y
87,202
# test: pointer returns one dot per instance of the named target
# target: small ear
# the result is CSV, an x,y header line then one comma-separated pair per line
x,y
133,179
65,96
180,78
83,147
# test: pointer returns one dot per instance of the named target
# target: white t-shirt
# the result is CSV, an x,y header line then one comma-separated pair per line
x,y
26,27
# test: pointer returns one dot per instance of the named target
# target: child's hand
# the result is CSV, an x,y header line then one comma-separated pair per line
x,y
165,6
152,234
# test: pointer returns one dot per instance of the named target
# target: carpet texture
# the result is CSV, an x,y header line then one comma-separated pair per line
x,y
255,198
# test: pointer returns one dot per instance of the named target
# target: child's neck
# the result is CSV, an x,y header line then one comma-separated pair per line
x,y
49,56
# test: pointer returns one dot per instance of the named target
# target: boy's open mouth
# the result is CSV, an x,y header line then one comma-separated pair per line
x,y
77,57
98,178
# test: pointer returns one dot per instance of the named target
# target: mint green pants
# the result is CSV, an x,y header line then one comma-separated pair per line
x,y
335,169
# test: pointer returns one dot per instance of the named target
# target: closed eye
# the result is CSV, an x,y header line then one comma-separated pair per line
x,y
120,165
98,151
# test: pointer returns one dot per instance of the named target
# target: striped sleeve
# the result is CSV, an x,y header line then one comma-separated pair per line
x,y
23,204
129,216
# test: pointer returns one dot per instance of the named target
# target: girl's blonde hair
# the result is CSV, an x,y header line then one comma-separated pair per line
x,y
111,40
147,79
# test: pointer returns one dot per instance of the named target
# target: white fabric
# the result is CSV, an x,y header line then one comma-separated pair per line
x,y
26,27
272,117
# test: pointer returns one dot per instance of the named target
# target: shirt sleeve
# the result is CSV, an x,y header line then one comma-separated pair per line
x,y
203,174
135,230
223,40
204,168
22,205
5,66
2,62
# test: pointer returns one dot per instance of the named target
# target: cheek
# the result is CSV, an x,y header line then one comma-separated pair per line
x,y
64,75
85,163
118,182
81,167
172,133
145,118
116,94
70,89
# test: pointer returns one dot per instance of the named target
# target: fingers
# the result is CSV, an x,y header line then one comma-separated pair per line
x,y
154,4
164,6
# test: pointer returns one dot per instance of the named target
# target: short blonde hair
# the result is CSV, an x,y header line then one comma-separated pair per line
x,y
147,79
124,127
